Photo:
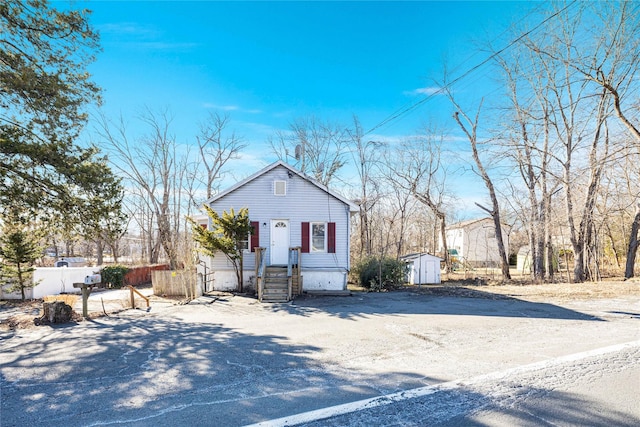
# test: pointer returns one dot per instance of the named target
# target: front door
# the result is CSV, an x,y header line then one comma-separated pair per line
x,y
279,241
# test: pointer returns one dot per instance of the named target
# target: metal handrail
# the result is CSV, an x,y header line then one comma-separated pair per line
x,y
290,263
206,280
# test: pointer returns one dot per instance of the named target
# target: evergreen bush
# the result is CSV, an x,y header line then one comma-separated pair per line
x,y
113,275
378,274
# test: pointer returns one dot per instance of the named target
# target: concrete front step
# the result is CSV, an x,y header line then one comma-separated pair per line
x,y
274,300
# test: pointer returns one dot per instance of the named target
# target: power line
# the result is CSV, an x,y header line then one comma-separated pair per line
x,y
403,111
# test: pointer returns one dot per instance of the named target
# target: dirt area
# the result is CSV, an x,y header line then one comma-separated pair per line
x,y
477,288
16,314
26,314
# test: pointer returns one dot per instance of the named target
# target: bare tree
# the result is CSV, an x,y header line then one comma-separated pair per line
x,y
578,119
613,61
363,153
470,129
529,146
633,244
614,66
317,147
155,169
416,166
402,204
217,146
593,59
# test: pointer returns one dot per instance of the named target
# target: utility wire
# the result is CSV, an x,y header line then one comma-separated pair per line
x,y
403,111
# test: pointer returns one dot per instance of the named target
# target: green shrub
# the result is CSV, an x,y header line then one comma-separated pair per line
x,y
375,275
113,275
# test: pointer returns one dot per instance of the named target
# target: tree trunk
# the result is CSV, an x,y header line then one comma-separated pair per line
x,y
495,208
445,249
548,237
241,273
115,248
21,282
57,312
633,245
99,249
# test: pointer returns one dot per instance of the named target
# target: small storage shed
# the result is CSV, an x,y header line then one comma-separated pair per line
x,y
422,268
524,260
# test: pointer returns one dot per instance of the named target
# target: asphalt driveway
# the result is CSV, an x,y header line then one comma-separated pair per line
x,y
400,358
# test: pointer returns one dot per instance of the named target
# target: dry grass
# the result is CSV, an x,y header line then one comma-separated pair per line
x,y
566,291
28,313
491,286
519,288
68,299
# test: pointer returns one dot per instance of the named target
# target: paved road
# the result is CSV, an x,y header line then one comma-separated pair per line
x,y
386,359
593,388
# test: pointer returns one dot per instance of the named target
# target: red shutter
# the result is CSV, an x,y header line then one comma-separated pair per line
x,y
305,237
331,237
255,235
205,226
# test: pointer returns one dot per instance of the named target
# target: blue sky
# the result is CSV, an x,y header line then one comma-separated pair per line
x,y
266,63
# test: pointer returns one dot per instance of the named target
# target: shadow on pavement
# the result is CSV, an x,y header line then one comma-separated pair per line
x,y
474,303
152,371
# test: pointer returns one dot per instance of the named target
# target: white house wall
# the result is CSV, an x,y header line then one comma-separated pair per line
x,y
325,280
476,243
316,279
304,202
482,246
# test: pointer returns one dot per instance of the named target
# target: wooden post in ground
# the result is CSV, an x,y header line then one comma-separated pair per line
x,y
134,290
86,291
85,301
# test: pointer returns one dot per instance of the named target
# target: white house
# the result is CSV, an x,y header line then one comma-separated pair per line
x,y
475,242
287,209
422,268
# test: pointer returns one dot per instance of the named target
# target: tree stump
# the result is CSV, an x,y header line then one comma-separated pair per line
x,y
57,312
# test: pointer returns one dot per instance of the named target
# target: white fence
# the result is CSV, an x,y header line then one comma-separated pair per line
x,y
53,281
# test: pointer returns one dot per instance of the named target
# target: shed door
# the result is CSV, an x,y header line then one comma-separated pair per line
x,y
279,241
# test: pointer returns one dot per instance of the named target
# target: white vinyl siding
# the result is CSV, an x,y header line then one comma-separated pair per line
x,y
305,202
280,188
476,242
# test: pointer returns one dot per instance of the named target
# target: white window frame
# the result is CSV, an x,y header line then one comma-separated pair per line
x,y
275,188
312,247
245,247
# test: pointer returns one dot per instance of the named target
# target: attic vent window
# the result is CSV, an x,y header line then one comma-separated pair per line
x,y
280,188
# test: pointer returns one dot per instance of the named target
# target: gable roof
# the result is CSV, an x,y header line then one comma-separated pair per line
x,y
352,206
464,224
415,256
